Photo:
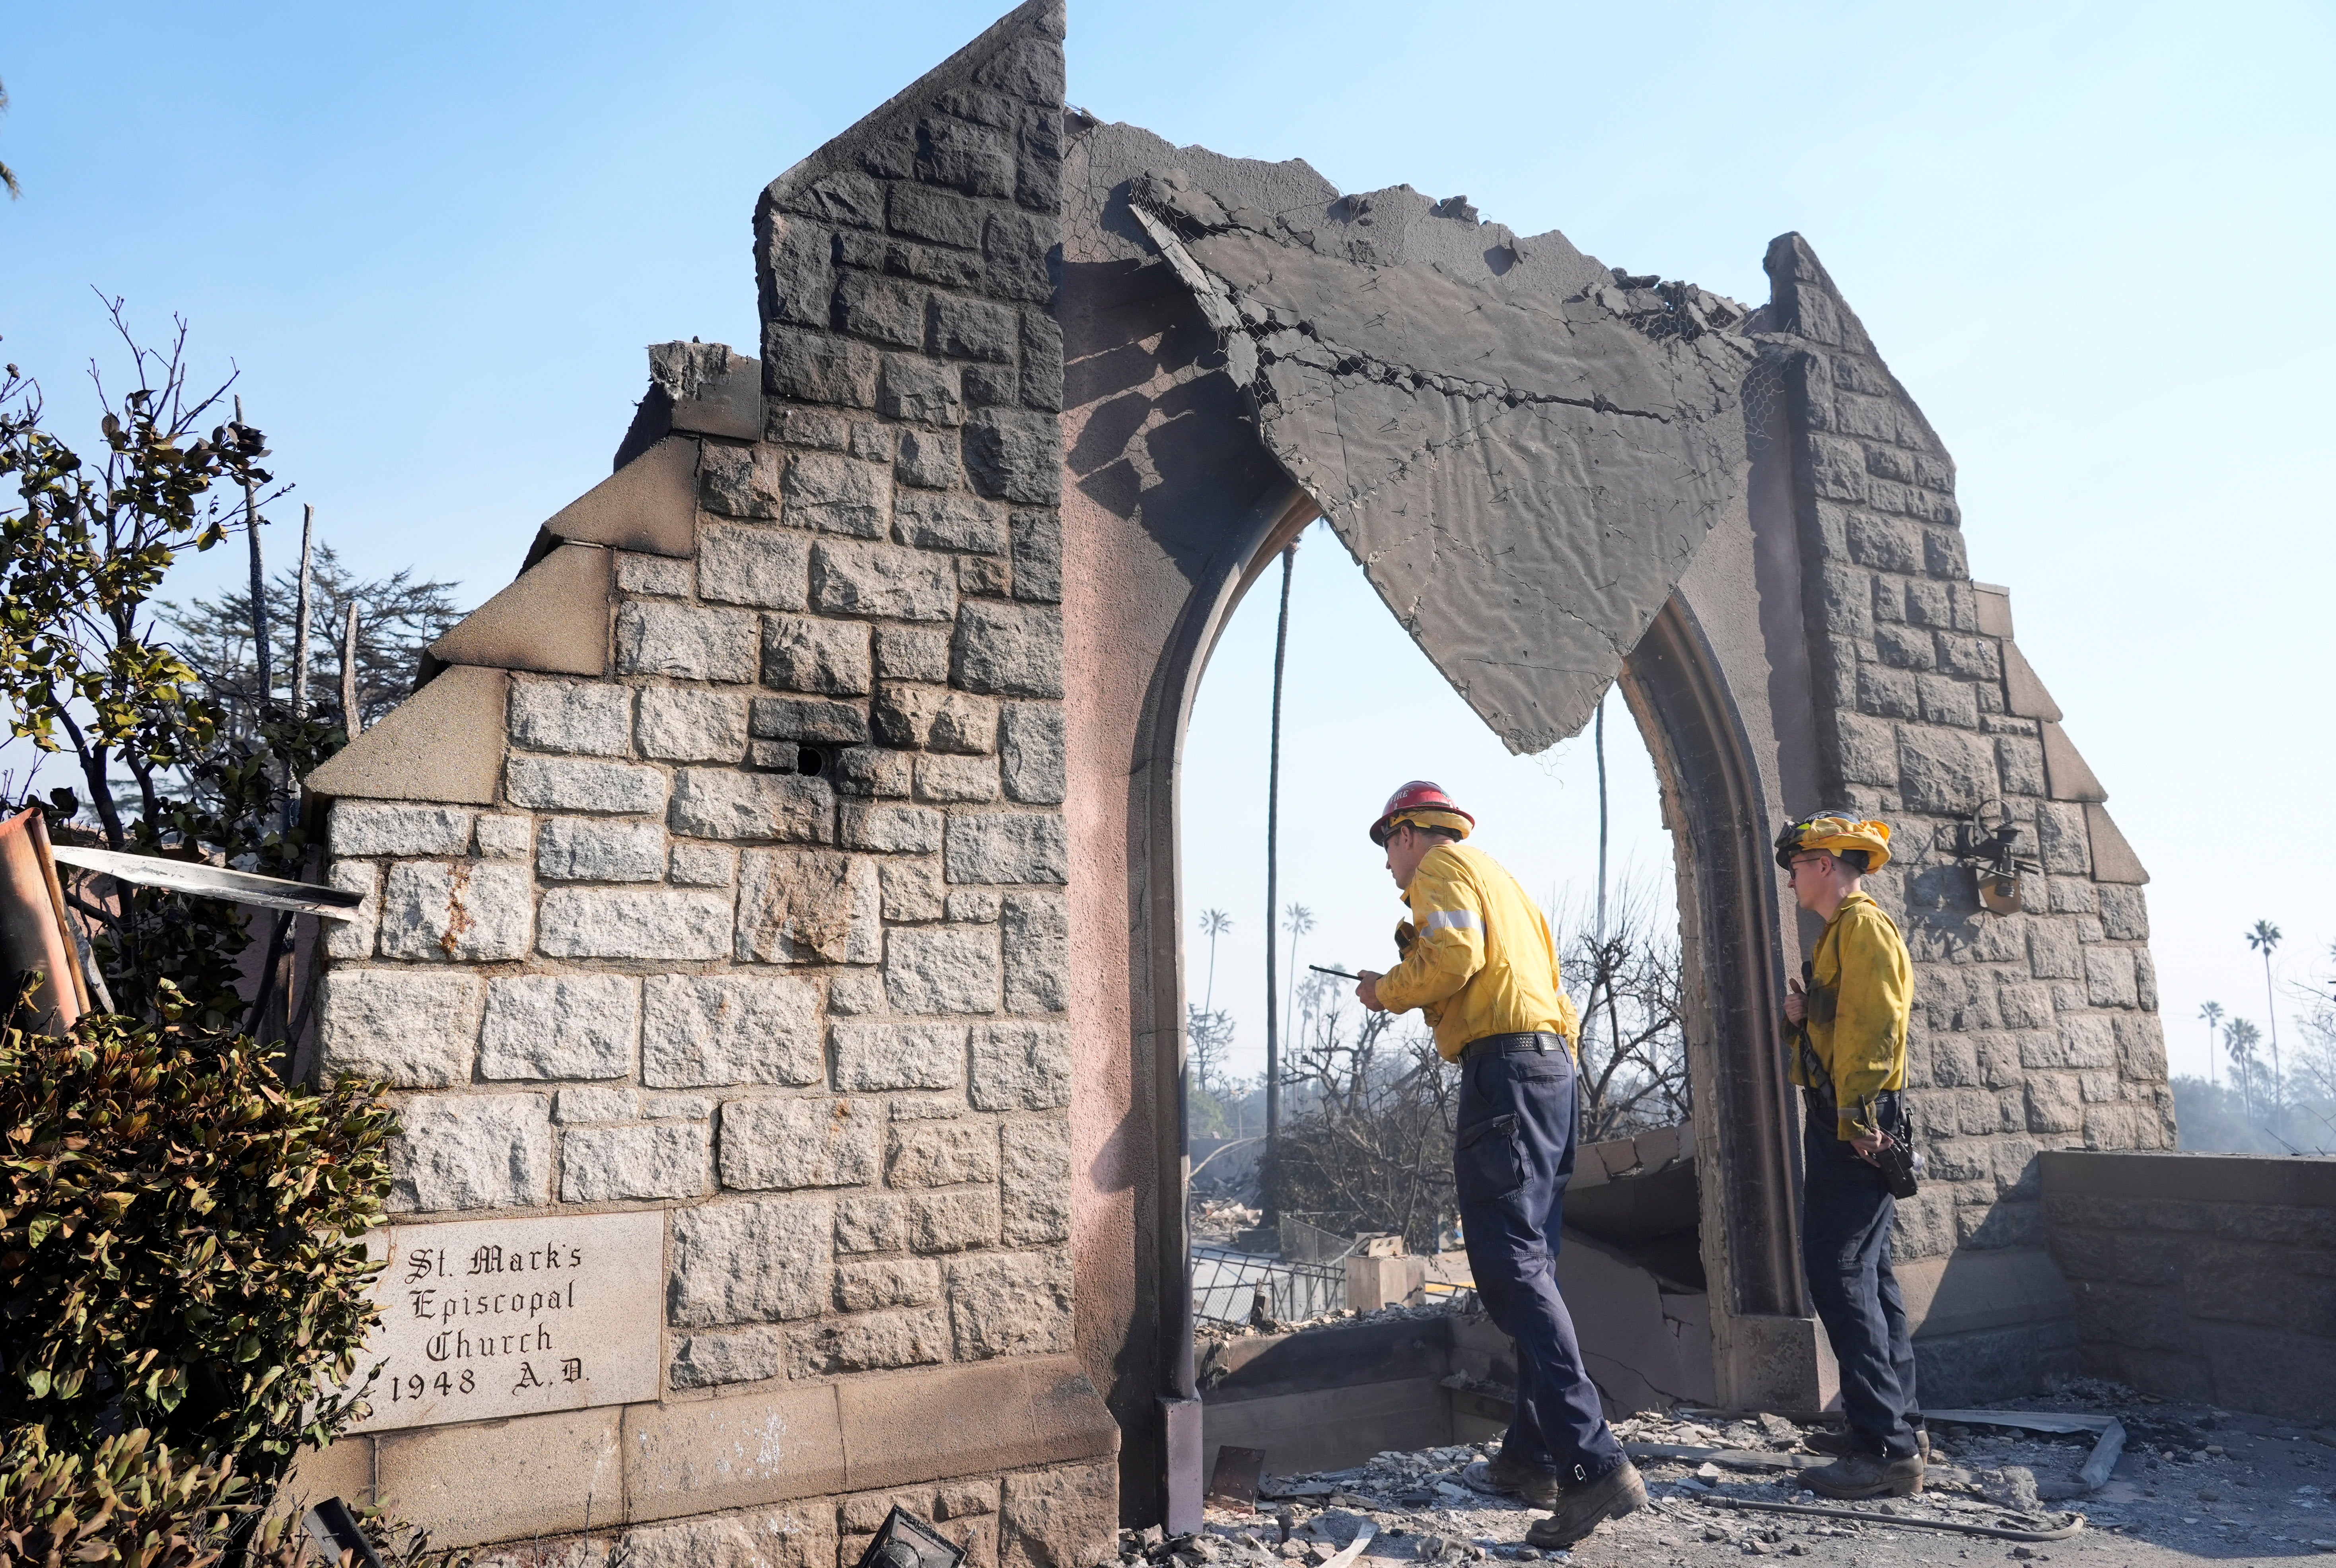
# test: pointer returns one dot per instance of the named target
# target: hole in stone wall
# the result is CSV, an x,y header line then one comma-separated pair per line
x,y
789,756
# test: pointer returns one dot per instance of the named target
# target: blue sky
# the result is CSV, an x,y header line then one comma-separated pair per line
x,y
2094,240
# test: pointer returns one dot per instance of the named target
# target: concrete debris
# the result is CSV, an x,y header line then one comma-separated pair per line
x,y
2259,1488
2012,1487
1218,1222
1460,1303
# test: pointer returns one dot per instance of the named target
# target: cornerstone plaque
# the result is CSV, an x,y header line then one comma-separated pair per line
x,y
485,1319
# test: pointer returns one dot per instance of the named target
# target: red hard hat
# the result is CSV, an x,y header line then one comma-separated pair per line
x,y
1418,795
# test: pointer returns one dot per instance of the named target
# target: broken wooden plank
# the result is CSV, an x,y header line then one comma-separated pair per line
x,y
1237,1473
214,881
1275,1489
2104,1457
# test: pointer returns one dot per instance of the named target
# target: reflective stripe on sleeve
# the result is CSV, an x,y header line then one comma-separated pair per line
x,y
1446,920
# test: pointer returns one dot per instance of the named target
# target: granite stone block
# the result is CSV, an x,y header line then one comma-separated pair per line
x,y
787,1144
578,1026
717,1031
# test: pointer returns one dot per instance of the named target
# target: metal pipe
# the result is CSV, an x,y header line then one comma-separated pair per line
x,y
1273,891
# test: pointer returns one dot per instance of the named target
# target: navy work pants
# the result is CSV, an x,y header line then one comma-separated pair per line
x,y
1514,1156
1846,1214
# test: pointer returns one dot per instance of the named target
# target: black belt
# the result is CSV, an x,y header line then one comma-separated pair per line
x,y
1510,1045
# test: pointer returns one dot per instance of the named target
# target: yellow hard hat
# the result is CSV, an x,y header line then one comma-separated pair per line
x,y
1838,831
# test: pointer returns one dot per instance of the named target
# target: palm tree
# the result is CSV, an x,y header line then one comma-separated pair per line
x,y
2213,1013
1210,1034
2239,1037
1300,920
1215,923
2264,938
8,175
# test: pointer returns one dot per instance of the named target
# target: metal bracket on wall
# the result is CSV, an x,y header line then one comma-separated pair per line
x,y
1986,844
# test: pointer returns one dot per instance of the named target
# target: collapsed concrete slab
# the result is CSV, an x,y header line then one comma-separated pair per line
x,y
1524,456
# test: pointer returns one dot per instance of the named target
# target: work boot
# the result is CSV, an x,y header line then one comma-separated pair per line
x,y
1536,1484
1840,1443
1867,1475
1579,1510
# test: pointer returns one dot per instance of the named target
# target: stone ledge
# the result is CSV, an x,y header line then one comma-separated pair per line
x,y
2165,1177
2067,775
553,620
706,389
640,1463
2112,858
1992,601
505,1480
2023,689
1985,1365
1970,1291
964,1421
650,504
711,1454
343,1470
444,742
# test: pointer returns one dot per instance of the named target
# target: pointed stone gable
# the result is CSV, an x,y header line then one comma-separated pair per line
x,y
717,865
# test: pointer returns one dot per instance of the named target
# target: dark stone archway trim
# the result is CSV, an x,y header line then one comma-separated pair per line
x,y
1171,1469
1732,959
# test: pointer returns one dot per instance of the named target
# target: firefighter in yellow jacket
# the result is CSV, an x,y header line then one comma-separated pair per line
x,y
1847,1051
1478,963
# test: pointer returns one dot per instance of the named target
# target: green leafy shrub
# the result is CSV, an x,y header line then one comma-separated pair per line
x,y
283,1543
174,753
130,1502
134,1504
182,1242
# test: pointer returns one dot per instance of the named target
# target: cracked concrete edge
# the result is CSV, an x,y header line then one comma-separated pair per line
x,y
1293,196
1206,291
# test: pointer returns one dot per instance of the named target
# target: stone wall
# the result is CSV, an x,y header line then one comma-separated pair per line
x,y
1831,615
720,867
2201,1277
2032,1031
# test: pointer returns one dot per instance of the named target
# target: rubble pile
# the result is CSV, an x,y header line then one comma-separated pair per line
x,y
2194,1484
1223,1222
1208,1331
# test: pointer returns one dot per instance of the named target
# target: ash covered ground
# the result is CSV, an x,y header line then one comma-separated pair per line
x,y
2194,1484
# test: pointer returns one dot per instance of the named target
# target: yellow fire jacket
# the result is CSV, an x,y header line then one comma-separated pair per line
x,y
1860,996
1478,959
